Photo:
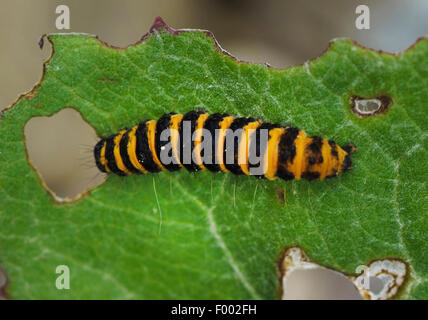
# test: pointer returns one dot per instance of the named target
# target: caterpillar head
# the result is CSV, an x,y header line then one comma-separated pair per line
x,y
347,162
325,159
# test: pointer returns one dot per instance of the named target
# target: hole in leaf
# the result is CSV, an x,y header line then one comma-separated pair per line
x,y
60,149
385,278
376,285
319,283
366,107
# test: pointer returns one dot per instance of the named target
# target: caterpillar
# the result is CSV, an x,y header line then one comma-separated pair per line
x,y
221,142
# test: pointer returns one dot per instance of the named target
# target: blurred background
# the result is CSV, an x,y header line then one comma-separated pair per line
x,y
282,33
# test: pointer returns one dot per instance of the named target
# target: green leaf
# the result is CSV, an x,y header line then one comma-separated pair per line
x,y
204,235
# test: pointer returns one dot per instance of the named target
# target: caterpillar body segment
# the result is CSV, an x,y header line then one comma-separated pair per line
x,y
221,142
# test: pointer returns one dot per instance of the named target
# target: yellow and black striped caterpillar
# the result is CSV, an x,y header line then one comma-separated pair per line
x,y
287,152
